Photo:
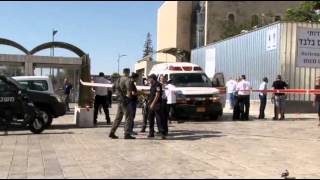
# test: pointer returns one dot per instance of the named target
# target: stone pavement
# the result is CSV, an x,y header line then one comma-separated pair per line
x,y
194,149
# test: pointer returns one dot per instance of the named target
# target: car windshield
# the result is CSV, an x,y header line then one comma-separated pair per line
x,y
191,80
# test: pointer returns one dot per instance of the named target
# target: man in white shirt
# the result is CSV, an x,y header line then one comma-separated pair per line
x,y
171,99
231,89
263,97
101,98
243,89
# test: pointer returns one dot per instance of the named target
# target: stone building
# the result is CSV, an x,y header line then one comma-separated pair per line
x,y
191,24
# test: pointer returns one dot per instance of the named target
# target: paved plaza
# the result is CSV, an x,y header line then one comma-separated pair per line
x,y
194,149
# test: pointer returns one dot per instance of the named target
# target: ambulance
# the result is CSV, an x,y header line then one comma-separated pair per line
x,y
194,91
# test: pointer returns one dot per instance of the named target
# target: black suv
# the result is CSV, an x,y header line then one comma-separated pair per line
x,y
50,105
16,107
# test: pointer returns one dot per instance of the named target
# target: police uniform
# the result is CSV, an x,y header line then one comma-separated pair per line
x,y
156,112
132,105
122,87
165,109
145,113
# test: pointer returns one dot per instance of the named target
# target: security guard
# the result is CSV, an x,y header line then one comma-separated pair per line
x,y
122,88
155,100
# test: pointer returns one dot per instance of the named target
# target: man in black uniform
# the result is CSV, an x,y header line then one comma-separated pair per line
x,y
145,113
133,100
164,107
155,100
279,98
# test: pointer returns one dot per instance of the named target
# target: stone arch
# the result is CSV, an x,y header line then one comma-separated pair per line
x,y
13,44
63,45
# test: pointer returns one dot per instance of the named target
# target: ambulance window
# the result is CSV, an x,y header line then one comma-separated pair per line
x,y
190,80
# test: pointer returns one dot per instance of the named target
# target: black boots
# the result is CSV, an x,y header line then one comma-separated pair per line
x,y
129,137
113,136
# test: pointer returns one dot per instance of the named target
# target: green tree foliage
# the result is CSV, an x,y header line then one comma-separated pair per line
x,y
304,13
115,76
148,48
232,29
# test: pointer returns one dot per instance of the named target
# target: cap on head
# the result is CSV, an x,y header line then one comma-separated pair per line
x,y
279,77
153,76
101,74
126,71
265,79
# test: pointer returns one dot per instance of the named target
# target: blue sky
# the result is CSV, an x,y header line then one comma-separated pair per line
x,y
102,29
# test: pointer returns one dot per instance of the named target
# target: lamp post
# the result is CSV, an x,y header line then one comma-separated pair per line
x,y
54,32
119,56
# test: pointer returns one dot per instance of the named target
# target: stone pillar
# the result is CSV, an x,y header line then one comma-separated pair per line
x,y
28,66
85,93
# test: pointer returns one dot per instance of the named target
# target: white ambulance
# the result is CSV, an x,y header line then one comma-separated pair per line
x,y
195,94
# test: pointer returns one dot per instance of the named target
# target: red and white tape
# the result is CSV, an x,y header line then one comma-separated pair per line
x,y
222,90
289,91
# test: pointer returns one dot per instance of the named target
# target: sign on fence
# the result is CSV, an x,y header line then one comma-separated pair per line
x,y
308,46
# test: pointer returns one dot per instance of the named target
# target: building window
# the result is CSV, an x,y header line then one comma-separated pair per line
x,y
254,20
277,18
231,18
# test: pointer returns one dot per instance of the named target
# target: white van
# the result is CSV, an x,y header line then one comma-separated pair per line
x,y
39,83
194,90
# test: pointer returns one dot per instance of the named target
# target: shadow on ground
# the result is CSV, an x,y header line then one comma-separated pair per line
x,y
192,135
27,134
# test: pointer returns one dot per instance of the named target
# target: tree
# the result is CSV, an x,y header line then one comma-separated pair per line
x,y
231,29
148,49
306,12
115,76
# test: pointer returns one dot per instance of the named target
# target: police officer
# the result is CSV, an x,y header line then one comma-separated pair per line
x,y
133,100
155,101
145,109
164,107
145,113
122,88
101,98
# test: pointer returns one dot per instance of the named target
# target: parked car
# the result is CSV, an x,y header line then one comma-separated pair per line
x,y
40,90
